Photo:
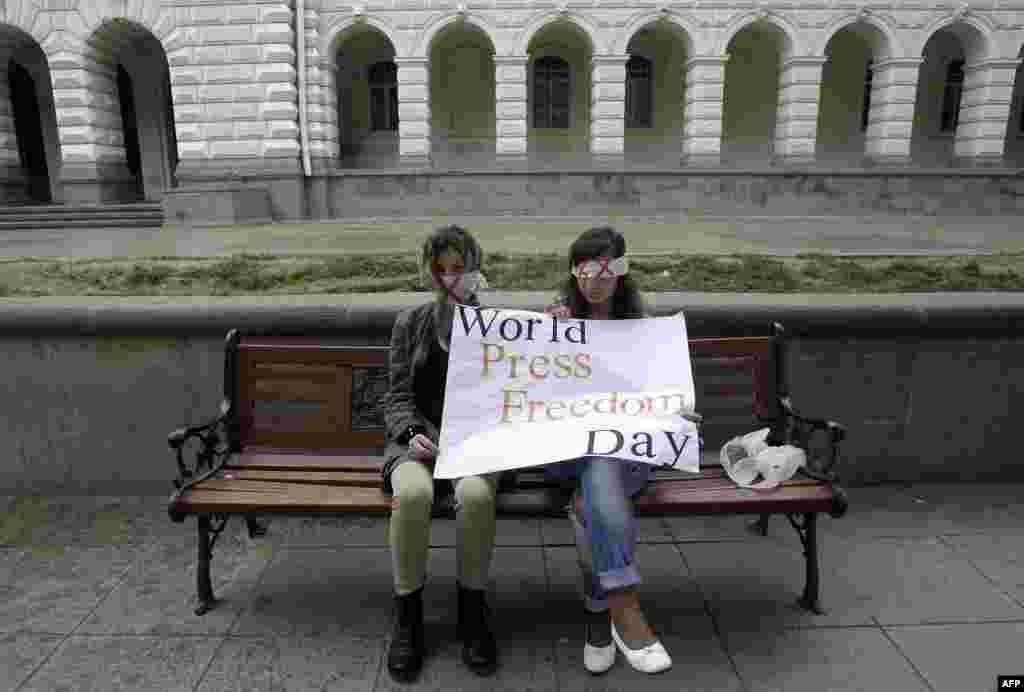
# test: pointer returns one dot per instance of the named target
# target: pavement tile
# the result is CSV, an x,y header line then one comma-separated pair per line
x,y
526,663
10,556
510,531
999,557
890,510
729,528
698,662
133,664
294,664
667,590
295,532
90,520
848,659
321,593
956,658
916,581
158,593
978,507
20,653
757,584
559,531
52,588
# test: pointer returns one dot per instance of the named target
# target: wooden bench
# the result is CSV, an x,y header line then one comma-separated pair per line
x,y
301,432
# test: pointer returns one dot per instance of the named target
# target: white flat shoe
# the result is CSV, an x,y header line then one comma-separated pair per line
x,y
598,659
650,659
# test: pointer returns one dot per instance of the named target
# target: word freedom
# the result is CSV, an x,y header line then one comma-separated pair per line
x,y
517,408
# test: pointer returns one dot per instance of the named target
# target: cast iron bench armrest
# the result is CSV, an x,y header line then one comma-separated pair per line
x,y
189,475
795,435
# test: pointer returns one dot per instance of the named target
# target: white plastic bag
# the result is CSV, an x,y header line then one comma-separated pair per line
x,y
746,457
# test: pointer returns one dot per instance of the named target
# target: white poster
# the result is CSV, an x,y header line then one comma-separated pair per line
x,y
524,389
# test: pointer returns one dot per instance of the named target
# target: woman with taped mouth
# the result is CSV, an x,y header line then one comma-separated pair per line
x,y
417,373
599,288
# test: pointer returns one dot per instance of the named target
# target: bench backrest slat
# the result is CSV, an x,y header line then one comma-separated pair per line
x,y
295,392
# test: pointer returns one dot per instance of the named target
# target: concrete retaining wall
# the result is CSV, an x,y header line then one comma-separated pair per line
x,y
341,195
927,384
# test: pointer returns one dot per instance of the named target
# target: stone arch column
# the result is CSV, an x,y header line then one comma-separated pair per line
x,y
891,117
510,108
984,111
607,109
413,111
796,124
705,95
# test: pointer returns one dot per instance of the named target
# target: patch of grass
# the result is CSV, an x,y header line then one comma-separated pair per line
x,y
268,274
20,525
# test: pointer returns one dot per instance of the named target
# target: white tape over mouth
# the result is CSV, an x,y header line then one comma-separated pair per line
x,y
746,457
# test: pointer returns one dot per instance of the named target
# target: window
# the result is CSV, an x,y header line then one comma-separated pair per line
x,y
867,98
951,96
551,93
638,92
383,96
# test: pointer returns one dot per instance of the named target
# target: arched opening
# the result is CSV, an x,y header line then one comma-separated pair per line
x,y
939,93
29,141
846,84
558,90
655,95
137,122
1015,125
367,99
751,94
462,97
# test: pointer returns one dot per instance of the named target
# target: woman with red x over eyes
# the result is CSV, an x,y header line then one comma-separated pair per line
x,y
413,409
599,287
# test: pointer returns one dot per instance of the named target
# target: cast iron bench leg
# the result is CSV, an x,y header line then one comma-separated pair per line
x,y
204,586
760,525
810,541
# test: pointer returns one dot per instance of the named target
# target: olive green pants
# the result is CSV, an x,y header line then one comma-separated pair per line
x,y
409,530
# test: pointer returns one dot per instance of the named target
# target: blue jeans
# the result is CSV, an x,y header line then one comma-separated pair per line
x,y
606,538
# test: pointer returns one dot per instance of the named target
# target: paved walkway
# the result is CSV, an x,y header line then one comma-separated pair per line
x,y
768,235
924,587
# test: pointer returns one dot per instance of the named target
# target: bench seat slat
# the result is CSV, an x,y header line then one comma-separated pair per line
x,y
707,496
671,497
367,478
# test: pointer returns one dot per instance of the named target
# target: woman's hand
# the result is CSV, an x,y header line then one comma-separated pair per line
x,y
422,448
558,310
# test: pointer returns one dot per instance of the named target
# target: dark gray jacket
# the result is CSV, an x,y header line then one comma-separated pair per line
x,y
410,347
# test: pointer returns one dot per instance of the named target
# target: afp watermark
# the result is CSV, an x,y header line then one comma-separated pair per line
x,y
1010,682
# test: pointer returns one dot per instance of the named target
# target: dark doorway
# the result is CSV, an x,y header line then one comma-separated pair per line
x,y
28,129
130,126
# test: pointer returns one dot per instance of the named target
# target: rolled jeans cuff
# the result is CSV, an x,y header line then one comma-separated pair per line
x,y
612,580
619,578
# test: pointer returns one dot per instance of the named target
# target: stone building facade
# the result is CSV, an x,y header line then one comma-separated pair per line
x,y
242,109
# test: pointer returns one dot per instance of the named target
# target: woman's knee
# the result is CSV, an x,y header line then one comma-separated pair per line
x,y
475,493
413,485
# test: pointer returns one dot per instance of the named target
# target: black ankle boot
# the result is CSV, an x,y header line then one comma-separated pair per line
x,y
479,650
405,655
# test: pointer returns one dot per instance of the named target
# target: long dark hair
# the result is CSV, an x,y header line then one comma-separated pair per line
x,y
602,241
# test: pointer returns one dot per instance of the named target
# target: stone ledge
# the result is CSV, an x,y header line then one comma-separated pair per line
x,y
927,315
